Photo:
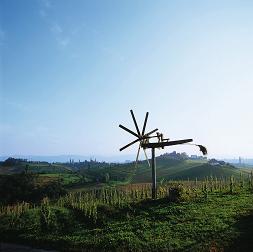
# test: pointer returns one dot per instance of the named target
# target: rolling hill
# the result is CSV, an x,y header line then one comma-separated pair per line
x,y
183,169
101,172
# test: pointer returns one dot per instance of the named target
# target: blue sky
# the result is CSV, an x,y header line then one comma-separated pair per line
x,y
72,70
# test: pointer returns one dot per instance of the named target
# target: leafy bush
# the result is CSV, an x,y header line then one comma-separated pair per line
x,y
178,193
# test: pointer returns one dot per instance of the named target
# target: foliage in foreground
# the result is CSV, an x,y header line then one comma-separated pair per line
x,y
194,216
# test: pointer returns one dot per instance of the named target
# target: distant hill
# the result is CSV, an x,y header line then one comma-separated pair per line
x,y
206,170
184,169
12,166
167,168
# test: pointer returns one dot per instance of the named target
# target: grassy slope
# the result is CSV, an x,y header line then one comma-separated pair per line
x,y
204,170
175,169
220,222
66,178
247,170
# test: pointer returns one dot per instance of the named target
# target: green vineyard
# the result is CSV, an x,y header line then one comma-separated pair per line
x,y
72,221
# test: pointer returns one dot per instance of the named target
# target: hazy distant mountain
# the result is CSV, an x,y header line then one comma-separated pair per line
x,y
246,161
76,158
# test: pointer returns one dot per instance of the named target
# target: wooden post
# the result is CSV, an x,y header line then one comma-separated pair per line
x,y
153,174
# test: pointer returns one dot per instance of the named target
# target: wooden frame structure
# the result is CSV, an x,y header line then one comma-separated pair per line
x,y
143,139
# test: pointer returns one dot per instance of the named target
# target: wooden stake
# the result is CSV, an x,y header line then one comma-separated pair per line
x,y
153,174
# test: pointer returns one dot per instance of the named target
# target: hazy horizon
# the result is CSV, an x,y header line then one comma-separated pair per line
x,y
121,157
71,71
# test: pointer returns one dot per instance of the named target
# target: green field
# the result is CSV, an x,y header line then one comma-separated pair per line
x,y
221,221
66,178
107,207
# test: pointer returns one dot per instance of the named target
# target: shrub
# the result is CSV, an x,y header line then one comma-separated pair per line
x,y
177,193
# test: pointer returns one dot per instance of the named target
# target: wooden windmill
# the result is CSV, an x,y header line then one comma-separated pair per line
x,y
144,143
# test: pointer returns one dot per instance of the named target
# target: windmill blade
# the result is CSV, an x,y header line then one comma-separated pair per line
x,y
137,156
124,147
151,132
146,157
128,130
135,123
144,125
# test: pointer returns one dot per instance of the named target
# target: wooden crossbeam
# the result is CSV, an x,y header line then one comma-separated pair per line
x,y
163,144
